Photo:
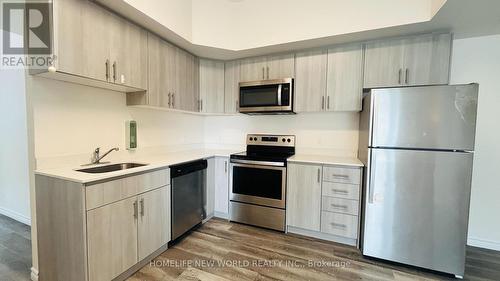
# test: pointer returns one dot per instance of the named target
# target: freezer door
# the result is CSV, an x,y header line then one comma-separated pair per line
x,y
416,208
431,117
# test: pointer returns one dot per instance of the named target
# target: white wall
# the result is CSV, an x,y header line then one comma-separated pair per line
x,y
317,133
74,119
478,60
239,25
14,172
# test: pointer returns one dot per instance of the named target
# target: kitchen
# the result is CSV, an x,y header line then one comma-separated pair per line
x,y
80,108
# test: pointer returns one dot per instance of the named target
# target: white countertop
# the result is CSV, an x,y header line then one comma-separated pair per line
x,y
325,159
153,162
164,160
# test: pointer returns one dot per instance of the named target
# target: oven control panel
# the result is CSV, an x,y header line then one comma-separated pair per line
x,y
273,140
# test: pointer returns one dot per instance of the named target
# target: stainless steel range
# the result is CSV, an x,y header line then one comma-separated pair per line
x,y
258,181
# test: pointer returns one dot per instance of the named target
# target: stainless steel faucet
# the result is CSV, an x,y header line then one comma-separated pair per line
x,y
96,158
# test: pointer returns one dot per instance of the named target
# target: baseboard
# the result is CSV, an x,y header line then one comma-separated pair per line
x,y
15,216
221,215
482,243
322,236
34,274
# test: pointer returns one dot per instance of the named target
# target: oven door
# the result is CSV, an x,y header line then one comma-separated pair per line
x,y
258,184
266,96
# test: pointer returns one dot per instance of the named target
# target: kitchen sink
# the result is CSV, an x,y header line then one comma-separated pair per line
x,y
111,168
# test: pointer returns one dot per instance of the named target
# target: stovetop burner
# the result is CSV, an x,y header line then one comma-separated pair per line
x,y
267,148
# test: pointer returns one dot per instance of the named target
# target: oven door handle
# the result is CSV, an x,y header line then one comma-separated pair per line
x,y
260,164
279,94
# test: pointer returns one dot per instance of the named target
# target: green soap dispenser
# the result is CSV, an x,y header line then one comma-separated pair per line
x,y
131,134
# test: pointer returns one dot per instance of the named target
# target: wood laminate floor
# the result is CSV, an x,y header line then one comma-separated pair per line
x,y
220,250
15,250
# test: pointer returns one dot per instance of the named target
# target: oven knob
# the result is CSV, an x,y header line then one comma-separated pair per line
x,y
288,140
283,139
251,139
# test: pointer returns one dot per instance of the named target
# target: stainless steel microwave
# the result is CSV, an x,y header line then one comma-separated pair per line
x,y
267,97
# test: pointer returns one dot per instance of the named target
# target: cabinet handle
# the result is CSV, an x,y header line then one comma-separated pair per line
x,y
107,70
399,75
338,225
340,191
407,73
322,103
328,102
135,209
142,207
237,105
263,76
319,176
201,105
173,99
114,71
340,176
343,207
268,72
225,166
169,99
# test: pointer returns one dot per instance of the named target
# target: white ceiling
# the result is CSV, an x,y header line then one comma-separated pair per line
x,y
228,29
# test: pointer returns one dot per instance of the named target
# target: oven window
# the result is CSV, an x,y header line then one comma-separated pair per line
x,y
259,96
257,182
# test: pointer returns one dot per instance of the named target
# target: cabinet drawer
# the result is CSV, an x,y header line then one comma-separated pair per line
x,y
339,224
342,175
341,190
112,191
338,205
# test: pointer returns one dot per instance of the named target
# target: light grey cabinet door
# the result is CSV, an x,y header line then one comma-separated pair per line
x,y
231,86
384,63
186,95
280,66
128,53
211,86
222,186
253,69
345,78
112,239
78,26
161,72
310,80
154,221
427,59
304,196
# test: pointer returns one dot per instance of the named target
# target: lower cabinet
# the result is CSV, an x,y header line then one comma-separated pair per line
x,y
98,231
324,201
122,233
222,187
112,239
304,196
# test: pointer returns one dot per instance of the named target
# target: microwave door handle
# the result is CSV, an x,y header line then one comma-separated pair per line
x,y
279,94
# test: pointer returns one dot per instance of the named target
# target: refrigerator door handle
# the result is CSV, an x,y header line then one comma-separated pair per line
x,y
369,178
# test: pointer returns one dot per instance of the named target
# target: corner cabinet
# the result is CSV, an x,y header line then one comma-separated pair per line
x,y
324,201
211,86
104,230
409,61
77,26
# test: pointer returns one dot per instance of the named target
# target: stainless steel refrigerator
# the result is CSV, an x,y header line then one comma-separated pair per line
x,y
417,145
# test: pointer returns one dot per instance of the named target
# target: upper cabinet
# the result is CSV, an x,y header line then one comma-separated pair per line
x,y
78,25
231,86
267,67
211,86
418,60
344,85
173,76
310,80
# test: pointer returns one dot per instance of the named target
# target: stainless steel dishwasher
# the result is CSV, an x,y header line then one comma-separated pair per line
x,y
188,196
